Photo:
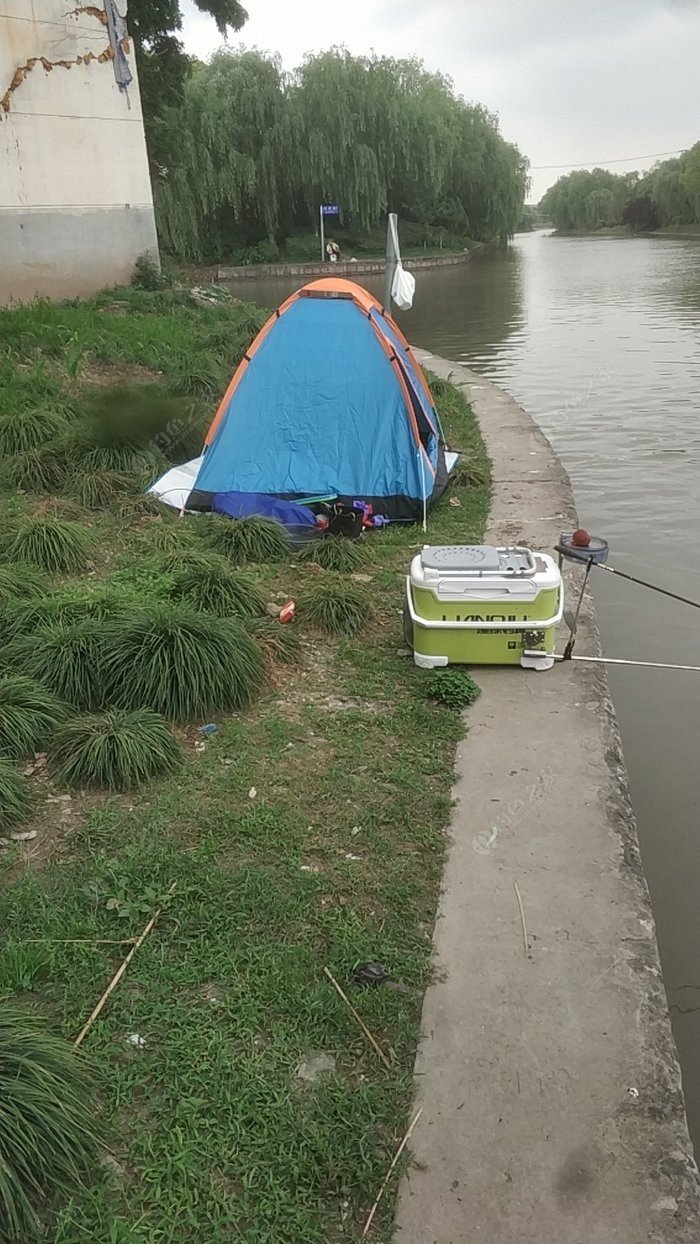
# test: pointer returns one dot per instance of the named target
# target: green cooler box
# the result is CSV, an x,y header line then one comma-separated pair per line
x,y
476,604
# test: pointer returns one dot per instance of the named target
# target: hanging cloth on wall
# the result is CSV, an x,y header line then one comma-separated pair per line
x,y
118,38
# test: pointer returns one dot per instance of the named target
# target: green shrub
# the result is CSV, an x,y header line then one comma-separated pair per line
x,y
335,553
216,587
181,663
21,583
28,715
67,657
337,607
47,1128
15,804
116,749
452,687
52,543
147,273
280,644
246,540
23,430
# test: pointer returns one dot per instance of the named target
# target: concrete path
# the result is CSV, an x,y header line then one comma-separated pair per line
x,y
548,1077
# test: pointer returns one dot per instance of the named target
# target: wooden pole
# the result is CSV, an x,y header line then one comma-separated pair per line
x,y
119,973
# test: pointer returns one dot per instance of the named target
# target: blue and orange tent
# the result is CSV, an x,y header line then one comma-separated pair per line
x,y
328,401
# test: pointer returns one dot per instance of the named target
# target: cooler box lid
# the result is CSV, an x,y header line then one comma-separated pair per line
x,y
478,560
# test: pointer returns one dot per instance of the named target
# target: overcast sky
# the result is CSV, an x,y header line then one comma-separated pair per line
x,y
574,82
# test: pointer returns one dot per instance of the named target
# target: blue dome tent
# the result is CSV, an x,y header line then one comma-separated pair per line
x,y
329,401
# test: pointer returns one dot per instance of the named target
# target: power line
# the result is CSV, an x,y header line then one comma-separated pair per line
x,y
655,155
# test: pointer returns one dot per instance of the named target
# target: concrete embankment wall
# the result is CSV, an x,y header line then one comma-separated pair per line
x,y
75,195
361,267
547,1073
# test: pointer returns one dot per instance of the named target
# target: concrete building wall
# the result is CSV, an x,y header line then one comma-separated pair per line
x,y
75,196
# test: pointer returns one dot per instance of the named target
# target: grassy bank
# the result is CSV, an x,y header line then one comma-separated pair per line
x,y
307,831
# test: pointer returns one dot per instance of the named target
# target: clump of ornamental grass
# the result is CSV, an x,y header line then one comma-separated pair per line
x,y
183,555
21,583
122,458
100,489
15,805
335,553
43,468
22,617
29,714
454,688
138,503
336,607
172,537
54,543
48,1137
56,507
65,656
216,587
279,643
24,430
471,473
181,663
246,540
117,749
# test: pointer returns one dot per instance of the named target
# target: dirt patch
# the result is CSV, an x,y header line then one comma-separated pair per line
x,y
105,375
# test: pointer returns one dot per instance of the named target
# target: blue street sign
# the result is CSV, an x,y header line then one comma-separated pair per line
x,y
330,209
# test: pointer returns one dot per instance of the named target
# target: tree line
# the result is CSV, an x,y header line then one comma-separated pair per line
x,y
242,153
668,195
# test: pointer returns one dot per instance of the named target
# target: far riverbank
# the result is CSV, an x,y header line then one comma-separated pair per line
x,y
352,268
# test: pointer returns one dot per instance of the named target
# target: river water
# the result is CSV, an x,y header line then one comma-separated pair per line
x,y
599,339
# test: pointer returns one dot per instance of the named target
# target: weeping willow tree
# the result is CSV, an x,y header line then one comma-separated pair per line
x,y
674,188
257,152
589,199
232,163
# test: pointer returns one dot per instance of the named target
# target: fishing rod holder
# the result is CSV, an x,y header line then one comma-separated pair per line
x,y
595,552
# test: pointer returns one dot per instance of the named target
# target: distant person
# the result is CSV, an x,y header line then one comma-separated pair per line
x,y
330,251
336,252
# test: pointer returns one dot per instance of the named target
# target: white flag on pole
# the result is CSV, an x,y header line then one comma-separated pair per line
x,y
403,286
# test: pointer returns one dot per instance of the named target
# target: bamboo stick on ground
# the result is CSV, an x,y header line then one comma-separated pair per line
x,y
387,1177
358,1020
522,917
119,973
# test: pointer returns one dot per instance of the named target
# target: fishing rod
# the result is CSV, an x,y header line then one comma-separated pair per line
x,y
622,574
654,665
593,551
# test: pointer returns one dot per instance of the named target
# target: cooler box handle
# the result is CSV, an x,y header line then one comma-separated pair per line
x,y
436,624
453,589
